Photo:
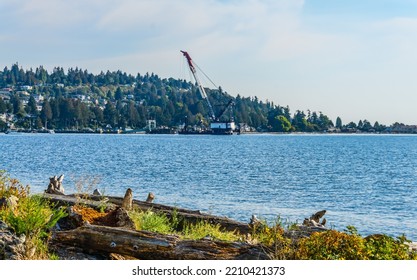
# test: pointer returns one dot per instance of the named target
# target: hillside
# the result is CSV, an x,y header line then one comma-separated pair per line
x,y
79,100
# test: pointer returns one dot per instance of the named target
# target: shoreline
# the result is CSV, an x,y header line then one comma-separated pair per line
x,y
121,132
94,221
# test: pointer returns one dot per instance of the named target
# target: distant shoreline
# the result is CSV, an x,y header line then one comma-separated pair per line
x,y
43,131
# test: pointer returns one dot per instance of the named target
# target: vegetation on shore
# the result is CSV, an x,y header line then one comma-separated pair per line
x,y
35,217
81,101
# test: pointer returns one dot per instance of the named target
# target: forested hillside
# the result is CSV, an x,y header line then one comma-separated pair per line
x,y
78,99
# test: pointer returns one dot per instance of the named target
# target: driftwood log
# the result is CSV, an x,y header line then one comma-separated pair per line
x,y
314,220
149,245
185,215
150,197
55,185
127,200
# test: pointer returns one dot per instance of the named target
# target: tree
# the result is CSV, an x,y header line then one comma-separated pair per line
x,y
46,113
31,106
360,124
118,94
17,104
110,114
133,115
366,125
3,107
339,123
281,124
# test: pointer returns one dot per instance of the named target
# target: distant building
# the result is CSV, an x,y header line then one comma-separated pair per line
x,y
26,87
38,98
150,125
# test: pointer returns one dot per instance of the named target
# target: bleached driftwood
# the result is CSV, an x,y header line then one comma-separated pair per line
x,y
55,185
314,220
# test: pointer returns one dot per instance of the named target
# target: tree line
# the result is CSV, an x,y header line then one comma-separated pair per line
x,y
78,99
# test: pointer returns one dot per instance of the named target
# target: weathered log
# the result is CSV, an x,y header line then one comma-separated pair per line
x,y
150,197
149,245
317,216
184,215
314,220
71,200
127,200
55,185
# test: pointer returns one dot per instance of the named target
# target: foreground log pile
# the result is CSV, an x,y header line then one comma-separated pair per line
x,y
92,226
101,227
114,233
150,245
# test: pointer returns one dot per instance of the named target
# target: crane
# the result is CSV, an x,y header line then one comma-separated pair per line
x,y
216,125
200,86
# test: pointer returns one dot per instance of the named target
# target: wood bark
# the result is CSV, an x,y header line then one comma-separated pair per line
x,y
184,215
149,245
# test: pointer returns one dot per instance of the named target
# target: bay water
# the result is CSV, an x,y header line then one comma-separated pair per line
x,y
368,181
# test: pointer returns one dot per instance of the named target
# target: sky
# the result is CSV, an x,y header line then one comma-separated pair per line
x,y
354,59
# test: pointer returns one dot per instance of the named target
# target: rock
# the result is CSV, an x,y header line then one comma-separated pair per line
x,y
12,247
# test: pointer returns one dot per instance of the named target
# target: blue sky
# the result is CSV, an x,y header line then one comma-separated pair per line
x,y
353,59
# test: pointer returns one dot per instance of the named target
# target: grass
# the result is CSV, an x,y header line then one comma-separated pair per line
x,y
32,216
157,222
151,221
204,229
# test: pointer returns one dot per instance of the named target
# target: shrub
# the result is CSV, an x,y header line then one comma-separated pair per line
x,y
331,245
349,245
272,237
33,216
383,247
10,186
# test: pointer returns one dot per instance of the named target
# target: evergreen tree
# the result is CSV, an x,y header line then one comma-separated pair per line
x,y
31,106
339,123
3,107
46,113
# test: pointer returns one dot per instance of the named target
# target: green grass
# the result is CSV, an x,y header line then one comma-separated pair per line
x,y
151,221
205,229
33,216
157,222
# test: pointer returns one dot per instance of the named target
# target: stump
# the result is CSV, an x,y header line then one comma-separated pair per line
x,y
128,200
150,198
314,220
55,185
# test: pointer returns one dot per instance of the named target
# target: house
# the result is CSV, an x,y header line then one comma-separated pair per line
x,y
26,87
38,98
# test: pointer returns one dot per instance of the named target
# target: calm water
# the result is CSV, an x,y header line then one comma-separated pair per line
x,y
368,181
